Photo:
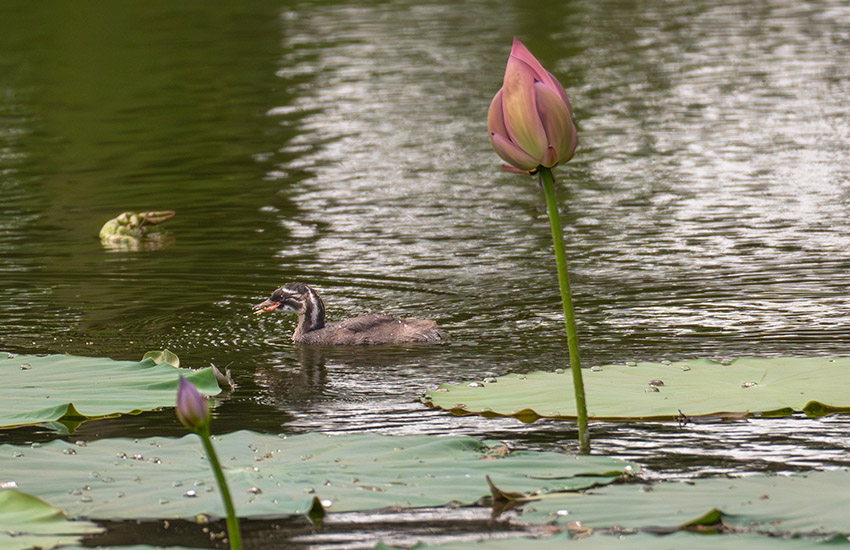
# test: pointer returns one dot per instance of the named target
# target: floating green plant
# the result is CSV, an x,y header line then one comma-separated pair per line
x,y
39,389
273,475
696,390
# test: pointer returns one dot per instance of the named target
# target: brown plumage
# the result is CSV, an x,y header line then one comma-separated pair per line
x,y
370,329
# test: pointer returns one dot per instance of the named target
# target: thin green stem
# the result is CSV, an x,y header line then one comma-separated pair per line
x,y
232,521
548,184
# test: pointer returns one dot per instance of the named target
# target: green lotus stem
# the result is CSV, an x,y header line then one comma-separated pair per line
x,y
548,184
193,411
232,521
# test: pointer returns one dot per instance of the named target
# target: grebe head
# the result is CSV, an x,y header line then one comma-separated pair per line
x,y
299,299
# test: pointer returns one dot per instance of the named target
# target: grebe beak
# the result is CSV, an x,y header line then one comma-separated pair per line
x,y
266,306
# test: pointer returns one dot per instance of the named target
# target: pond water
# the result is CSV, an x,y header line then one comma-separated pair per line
x,y
344,144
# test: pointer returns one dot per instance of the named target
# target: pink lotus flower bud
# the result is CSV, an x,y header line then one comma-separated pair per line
x,y
530,119
192,408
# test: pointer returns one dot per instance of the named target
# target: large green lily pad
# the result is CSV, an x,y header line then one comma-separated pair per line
x,y
809,504
38,389
152,547
748,386
162,478
29,522
770,512
642,541
795,511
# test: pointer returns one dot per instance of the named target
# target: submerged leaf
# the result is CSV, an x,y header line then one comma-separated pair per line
x,y
39,389
664,391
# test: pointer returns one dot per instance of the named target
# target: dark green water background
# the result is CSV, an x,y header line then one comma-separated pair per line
x,y
344,144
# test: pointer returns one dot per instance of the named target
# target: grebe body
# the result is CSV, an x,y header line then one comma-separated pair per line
x,y
371,329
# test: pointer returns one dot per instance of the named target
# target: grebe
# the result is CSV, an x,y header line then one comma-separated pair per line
x,y
370,329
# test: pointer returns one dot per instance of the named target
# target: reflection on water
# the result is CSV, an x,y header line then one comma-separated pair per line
x,y
345,146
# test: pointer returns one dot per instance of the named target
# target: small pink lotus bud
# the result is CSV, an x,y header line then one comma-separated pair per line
x,y
530,119
192,408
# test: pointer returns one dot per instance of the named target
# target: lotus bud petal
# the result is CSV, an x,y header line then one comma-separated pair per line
x,y
192,409
530,118
519,107
557,124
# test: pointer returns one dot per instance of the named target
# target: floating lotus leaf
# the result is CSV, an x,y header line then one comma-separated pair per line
x,y
659,391
149,547
29,522
162,478
764,512
643,541
39,389
812,504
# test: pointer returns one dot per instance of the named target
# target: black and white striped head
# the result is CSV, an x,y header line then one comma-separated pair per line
x,y
296,298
